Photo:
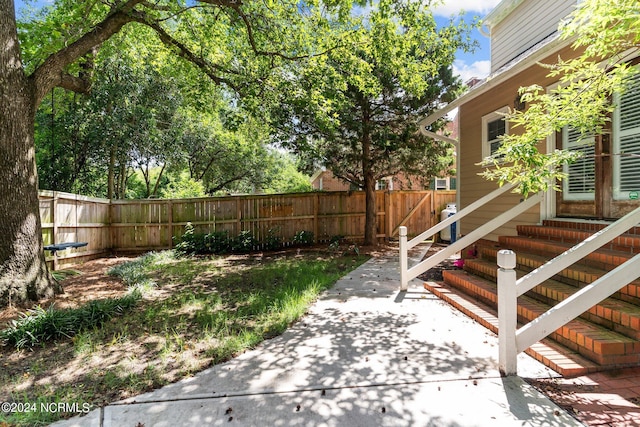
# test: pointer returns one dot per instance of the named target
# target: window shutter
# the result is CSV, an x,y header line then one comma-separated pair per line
x,y
627,149
580,184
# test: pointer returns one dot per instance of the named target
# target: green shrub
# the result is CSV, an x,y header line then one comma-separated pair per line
x,y
38,325
272,241
245,242
134,273
217,242
190,243
302,238
220,242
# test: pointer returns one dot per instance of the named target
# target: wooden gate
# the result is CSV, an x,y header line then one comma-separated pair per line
x,y
416,210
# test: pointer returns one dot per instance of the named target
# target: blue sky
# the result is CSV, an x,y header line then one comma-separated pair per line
x,y
466,65
475,64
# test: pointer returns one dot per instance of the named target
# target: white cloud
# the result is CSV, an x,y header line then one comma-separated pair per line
x,y
479,69
452,7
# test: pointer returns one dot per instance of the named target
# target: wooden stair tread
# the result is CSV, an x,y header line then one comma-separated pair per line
x,y
576,275
627,240
592,226
582,273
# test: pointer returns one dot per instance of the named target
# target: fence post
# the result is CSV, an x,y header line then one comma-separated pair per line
x,y
388,229
54,232
316,210
507,313
404,259
170,222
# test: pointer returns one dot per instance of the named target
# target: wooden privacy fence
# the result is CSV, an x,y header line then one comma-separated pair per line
x,y
152,224
73,218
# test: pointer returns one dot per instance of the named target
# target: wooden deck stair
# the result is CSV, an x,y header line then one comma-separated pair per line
x,y
605,337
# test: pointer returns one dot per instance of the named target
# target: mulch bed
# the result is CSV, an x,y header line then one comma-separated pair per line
x,y
435,274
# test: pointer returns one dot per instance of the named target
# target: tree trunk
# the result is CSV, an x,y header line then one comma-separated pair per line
x,y
371,217
112,172
23,271
123,179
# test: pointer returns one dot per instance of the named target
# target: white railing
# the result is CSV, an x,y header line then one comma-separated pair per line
x,y
406,273
512,340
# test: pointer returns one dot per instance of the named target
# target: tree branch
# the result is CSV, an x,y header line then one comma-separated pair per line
x,y
227,182
73,83
212,159
183,51
51,72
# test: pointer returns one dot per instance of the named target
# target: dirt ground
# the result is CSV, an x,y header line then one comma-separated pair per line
x,y
435,274
93,283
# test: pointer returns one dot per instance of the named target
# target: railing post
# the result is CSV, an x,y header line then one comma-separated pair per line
x,y
404,259
507,313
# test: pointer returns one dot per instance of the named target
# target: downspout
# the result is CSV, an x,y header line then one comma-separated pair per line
x,y
444,138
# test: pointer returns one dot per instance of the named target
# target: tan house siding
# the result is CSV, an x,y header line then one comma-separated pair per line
x,y
529,23
472,186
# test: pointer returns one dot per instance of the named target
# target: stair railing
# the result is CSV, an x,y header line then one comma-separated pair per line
x,y
513,341
406,273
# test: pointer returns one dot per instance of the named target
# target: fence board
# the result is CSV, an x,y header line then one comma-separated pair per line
x,y
73,218
136,225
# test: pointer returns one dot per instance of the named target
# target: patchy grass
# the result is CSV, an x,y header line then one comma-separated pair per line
x,y
194,312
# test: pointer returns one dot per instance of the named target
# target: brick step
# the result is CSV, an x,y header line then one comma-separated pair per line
x,y
591,226
566,362
604,259
576,275
607,348
629,243
610,313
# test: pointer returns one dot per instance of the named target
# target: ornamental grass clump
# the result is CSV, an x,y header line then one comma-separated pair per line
x,y
39,325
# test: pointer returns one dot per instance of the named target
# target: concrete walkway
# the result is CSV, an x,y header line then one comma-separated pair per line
x,y
365,355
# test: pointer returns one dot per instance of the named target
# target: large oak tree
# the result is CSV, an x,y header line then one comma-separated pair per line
x,y
236,43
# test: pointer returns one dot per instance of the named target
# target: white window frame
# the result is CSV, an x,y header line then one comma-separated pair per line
x,y
447,184
389,184
486,119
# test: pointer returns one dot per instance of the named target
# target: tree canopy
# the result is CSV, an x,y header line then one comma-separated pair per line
x,y
148,117
354,109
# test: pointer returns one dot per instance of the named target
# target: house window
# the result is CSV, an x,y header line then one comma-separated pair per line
x,y
382,184
626,142
581,175
441,183
494,126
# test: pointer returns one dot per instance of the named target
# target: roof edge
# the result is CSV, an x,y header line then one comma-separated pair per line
x,y
498,13
495,80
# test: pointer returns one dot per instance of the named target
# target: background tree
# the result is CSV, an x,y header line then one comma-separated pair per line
x,y
355,109
604,32
235,44
146,120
